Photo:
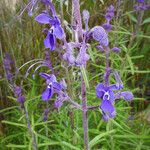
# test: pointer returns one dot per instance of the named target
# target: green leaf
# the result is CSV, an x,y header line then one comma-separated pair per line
x,y
13,123
132,136
48,143
84,74
16,146
132,18
43,123
70,145
96,140
131,64
147,20
8,109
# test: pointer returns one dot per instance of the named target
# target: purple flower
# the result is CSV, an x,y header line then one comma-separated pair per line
x,y
110,13
82,57
69,55
17,91
108,97
86,16
60,99
56,31
99,34
108,110
140,1
107,26
19,96
141,7
126,95
109,16
99,47
106,92
7,62
116,49
52,86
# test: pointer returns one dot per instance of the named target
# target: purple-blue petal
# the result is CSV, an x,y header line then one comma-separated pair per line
x,y
99,34
43,18
116,49
100,90
50,41
47,94
115,87
107,107
45,75
111,96
58,32
57,86
126,95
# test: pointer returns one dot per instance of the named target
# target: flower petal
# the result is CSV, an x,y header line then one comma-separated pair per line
x,y
50,41
100,90
58,32
47,94
107,107
43,18
45,75
57,86
111,96
108,110
128,96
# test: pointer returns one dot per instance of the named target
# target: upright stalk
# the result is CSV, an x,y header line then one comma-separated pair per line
x,y
77,22
34,144
107,70
84,114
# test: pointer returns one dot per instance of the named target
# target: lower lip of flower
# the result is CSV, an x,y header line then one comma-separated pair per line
x,y
106,95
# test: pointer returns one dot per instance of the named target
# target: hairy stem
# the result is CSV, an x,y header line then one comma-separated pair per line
x,y
84,114
77,22
107,70
34,144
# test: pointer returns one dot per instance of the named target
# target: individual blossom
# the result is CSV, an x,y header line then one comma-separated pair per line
x,y
60,99
55,32
82,57
116,49
109,16
108,96
141,5
100,48
52,86
86,16
69,54
19,96
140,1
7,62
99,34
110,13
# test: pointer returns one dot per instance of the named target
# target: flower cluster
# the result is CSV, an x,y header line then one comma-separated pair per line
x,y
109,16
19,96
141,5
76,54
105,91
7,62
